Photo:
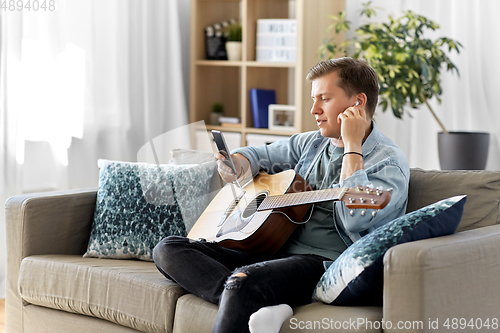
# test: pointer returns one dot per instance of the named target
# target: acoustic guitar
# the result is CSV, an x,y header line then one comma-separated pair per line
x,y
261,218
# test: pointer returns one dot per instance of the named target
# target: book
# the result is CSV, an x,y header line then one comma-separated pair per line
x,y
232,120
232,125
260,100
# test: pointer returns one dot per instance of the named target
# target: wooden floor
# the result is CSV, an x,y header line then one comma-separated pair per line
x,y
2,315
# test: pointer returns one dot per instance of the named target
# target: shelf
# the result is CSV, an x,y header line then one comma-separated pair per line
x,y
223,63
229,82
270,64
247,130
267,131
228,63
224,128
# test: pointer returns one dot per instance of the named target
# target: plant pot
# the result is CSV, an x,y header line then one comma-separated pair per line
x,y
214,118
233,50
463,150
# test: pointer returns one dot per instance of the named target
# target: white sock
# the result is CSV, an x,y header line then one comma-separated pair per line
x,y
269,319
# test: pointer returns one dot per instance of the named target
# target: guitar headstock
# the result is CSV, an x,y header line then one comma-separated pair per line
x,y
366,198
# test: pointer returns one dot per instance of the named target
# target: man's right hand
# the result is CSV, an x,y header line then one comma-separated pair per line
x,y
241,164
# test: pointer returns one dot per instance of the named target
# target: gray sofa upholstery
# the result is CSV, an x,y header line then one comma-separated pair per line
x,y
52,288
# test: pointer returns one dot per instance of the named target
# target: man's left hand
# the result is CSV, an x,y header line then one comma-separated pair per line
x,y
353,126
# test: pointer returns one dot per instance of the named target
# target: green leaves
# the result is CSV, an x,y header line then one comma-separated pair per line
x,y
233,33
368,10
339,23
407,64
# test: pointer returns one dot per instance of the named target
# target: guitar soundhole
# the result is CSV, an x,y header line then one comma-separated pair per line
x,y
252,206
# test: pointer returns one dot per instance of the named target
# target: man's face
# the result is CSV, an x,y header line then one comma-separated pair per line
x,y
329,100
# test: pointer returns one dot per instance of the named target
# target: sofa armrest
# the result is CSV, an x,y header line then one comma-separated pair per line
x,y
43,223
444,278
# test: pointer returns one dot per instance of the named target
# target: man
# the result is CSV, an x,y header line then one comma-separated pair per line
x,y
348,150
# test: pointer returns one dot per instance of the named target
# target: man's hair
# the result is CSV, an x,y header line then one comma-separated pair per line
x,y
354,77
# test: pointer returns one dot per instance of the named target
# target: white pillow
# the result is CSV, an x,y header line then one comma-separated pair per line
x,y
189,156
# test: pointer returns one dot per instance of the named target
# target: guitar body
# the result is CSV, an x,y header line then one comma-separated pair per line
x,y
236,224
258,222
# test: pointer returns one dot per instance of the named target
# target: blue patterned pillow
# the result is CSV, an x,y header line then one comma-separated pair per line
x,y
138,204
356,277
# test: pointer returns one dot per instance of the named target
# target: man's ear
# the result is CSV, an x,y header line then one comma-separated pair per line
x,y
361,99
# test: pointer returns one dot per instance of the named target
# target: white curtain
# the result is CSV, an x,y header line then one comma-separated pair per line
x,y
468,102
89,80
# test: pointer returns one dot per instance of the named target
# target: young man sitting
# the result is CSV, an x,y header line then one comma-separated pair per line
x,y
348,150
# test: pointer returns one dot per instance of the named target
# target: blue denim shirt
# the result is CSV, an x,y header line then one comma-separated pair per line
x,y
385,166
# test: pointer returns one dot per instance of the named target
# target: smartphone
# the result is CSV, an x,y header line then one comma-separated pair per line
x,y
220,142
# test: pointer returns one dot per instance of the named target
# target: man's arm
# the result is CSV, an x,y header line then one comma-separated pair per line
x,y
384,175
241,164
281,155
355,127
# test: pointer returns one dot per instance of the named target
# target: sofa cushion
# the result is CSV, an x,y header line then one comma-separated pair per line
x,y
196,315
138,204
319,317
39,319
131,293
193,314
356,277
481,187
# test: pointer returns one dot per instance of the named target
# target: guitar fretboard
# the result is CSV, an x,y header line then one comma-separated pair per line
x,y
301,198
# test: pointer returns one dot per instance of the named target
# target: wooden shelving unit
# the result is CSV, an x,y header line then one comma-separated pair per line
x,y
229,82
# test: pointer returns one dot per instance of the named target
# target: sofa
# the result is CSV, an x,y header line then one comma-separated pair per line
x,y
428,285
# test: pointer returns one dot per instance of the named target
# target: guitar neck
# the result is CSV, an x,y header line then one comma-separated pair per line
x,y
301,198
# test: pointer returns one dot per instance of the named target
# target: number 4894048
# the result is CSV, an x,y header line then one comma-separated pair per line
x,y
28,5
472,324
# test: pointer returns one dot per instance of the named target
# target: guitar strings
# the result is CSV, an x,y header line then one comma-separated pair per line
x,y
320,188
312,206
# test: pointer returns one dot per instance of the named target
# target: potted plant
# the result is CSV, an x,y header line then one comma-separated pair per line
x,y
233,34
408,67
217,112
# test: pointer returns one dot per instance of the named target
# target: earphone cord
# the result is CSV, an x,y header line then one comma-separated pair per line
x,y
321,187
328,166
296,222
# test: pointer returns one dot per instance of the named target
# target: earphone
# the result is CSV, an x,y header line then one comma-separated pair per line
x,y
357,103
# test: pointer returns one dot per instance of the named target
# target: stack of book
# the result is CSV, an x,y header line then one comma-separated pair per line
x,y
276,40
230,121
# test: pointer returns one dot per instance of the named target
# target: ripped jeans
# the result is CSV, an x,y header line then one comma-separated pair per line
x,y
238,282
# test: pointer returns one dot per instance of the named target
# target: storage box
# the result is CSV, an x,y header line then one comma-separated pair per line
x,y
276,54
276,40
277,26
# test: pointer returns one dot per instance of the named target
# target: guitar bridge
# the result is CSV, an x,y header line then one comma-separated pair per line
x,y
230,208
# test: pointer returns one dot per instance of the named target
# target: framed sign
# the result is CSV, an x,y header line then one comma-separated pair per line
x,y
281,117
